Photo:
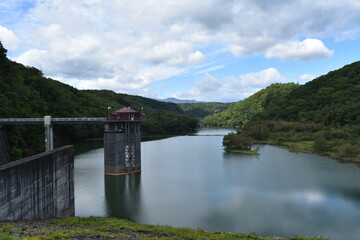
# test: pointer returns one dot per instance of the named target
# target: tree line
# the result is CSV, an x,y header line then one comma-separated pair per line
x,y
323,114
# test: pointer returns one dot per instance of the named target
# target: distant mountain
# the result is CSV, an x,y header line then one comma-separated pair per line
x,y
176,100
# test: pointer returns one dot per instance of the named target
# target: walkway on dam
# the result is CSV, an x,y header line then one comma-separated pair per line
x,y
17,121
48,122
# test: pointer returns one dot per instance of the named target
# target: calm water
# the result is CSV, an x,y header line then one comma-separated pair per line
x,y
192,182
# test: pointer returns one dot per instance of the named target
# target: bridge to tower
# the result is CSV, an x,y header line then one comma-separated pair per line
x,y
122,137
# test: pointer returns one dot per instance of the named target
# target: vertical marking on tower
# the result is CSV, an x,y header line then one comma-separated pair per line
x,y
122,142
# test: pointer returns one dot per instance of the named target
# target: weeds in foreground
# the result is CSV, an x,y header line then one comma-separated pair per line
x,y
103,228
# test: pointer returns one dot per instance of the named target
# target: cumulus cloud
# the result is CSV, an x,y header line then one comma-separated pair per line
x,y
129,45
307,49
209,88
172,52
8,38
307,77
196,57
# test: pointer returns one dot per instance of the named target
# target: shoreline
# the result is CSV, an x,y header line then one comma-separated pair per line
x,y
288,146
248,152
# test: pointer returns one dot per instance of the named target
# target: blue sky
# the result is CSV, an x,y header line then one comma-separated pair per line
x,y
213,50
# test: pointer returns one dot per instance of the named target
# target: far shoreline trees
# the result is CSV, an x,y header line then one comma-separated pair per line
x,y
321,116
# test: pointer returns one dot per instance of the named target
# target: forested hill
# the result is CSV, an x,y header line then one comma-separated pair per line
x,y
332,99
137,102
239,113
322,116
201,110
25,92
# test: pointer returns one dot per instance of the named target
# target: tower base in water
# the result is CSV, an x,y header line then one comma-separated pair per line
x,y
122,142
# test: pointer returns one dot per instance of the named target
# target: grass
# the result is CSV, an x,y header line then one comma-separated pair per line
x,y
243,151
112,228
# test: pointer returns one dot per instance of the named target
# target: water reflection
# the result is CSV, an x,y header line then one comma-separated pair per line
x,y
122,194
191,182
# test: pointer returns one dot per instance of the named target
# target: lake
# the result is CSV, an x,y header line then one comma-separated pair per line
x,y
189,181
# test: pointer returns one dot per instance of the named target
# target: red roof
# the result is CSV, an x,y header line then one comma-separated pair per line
x,y
125,114
125,110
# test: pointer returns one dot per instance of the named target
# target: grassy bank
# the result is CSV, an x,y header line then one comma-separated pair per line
x,y
248,152
110,228
340,142
308,147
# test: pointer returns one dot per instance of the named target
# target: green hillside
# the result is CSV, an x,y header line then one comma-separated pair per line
x,y
201,110
322,116
332,99
137,102
25,92
239,113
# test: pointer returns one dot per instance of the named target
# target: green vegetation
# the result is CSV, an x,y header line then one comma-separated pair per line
x,y
239,113
112,228
322,116
239,142
332,100
137,102
26,93
201,110
336,142
167,124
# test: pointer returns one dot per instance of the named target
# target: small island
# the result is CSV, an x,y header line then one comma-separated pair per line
x,y
238,143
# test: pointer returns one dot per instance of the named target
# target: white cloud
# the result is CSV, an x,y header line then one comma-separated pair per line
x,y
210,69
209,88
8,39
173,53
260,79
307,49
307,77
196,57
115,43
33,57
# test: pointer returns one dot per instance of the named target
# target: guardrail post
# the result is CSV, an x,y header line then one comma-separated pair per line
x,y
49,144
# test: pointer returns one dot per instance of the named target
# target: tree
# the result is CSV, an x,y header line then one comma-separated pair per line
x,y
237,141
2,51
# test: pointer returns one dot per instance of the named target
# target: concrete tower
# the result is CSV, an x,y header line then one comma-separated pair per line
x,y
122,141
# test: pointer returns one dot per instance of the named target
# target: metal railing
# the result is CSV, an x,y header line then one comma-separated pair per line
x,y
79,120
53,120
21,120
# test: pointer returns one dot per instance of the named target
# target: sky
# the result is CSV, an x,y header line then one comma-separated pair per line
x,y
204,50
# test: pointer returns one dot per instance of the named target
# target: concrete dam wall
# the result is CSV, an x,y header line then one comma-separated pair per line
x,y
38,187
